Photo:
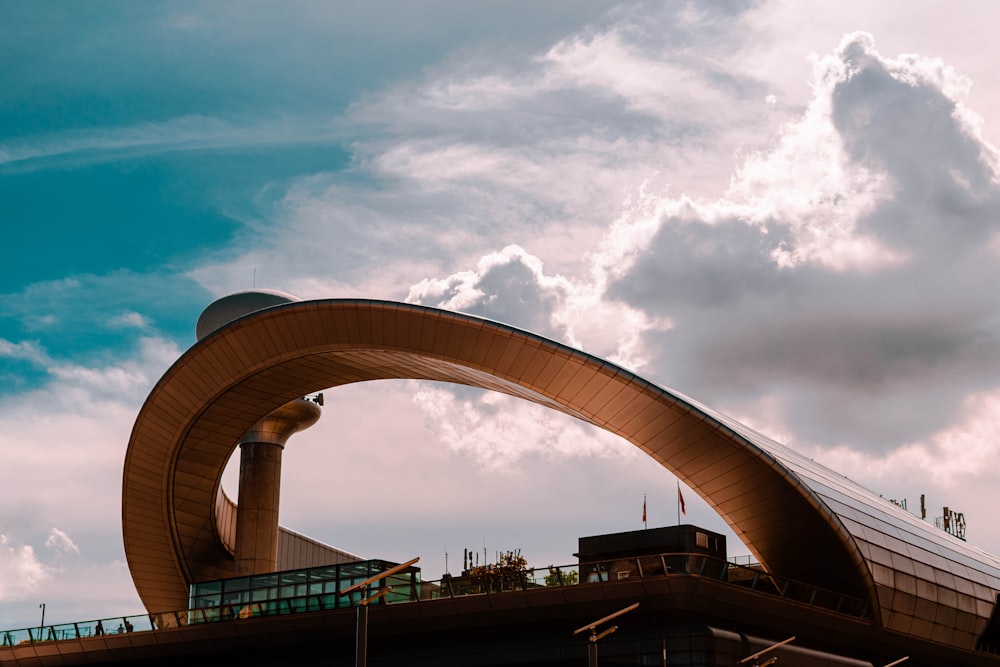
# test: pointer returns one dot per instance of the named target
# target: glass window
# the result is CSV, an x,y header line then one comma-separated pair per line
x,y
324,573
264,580
206,587
238,584
262,594
207,601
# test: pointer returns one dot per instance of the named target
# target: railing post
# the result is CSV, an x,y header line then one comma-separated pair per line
x,y
361,638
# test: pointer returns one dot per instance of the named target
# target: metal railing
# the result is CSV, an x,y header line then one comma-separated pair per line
x,y
751,577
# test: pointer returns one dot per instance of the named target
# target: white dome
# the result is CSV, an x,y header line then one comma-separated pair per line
x,y
224,310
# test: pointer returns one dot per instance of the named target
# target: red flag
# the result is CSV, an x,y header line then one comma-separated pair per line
x,y
644,509
680,500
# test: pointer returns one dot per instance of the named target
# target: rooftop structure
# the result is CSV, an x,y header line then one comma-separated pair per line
x,y
918,587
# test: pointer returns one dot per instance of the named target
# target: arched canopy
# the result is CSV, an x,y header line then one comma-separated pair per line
x,y
798,518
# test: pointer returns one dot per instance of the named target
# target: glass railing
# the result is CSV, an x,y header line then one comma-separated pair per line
x,y
81,630
753,578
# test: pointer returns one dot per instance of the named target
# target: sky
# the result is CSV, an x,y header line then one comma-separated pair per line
x,y
788,211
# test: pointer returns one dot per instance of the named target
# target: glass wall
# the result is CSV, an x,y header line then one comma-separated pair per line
x,y
311,589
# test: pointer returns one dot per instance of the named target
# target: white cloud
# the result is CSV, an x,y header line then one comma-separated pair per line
x,y
808,189
673,190
961,453
74,591
821,276
72,434
799,248
536,149
27,350
171,134
500,431
64,446
190,132
511,286
20,571
443,470
647,82
812,299
60,541
130,319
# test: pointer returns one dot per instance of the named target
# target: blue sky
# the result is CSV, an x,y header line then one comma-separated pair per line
x,y
788,213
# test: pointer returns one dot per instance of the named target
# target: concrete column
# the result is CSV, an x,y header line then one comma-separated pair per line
x,y
260,485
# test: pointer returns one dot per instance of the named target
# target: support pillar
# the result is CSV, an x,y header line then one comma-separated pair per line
x,y
260,485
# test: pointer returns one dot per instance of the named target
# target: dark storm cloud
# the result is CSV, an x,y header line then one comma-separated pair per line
x,y
945,196
693,265
508,287
511,294
874,354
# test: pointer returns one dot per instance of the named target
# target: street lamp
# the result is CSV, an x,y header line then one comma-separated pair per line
x,y
361,636
595,635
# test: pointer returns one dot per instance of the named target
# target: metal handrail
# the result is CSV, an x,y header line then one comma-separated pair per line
x,y
673,564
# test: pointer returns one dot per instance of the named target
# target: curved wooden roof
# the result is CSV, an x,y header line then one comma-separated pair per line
x,y
801,520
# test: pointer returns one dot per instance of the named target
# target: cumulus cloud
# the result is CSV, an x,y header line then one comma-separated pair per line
x,y
832,294
846,261
809,259
507,286
512,286
20,570
64,444
535,148
23,572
